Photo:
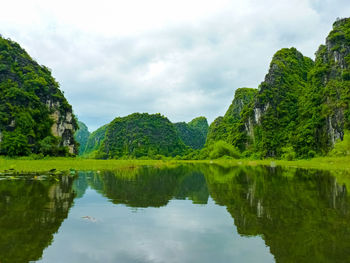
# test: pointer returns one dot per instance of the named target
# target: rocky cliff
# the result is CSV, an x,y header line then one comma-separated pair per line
x,y
326,101
302,108
35,117
273,118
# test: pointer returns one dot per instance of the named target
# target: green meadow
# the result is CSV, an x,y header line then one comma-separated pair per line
x,y
22,165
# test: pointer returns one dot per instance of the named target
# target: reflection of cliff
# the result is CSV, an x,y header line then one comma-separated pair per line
x,y
30,213
153,187
303,216
80,183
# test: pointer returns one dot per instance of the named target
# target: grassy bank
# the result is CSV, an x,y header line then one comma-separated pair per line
x,y
324,163
64,164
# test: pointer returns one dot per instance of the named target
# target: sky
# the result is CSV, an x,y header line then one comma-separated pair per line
x,y
182,58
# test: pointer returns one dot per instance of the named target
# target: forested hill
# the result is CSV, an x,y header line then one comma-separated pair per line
x,y
141,134
301,109
82,136
90,142
194,133
35,117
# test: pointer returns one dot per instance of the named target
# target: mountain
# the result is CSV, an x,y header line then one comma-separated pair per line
x,y
95,140
325,114
301,109
272,122
194,133
201,124
227,128
35,117
82,136
141,134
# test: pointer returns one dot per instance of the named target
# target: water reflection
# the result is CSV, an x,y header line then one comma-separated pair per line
x,y
274,214
30,213
303,216
148,187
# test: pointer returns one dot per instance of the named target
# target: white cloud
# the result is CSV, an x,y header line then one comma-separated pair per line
x,y
181,58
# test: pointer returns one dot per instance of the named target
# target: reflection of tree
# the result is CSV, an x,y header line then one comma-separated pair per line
x,y
153,187
303,215
30,213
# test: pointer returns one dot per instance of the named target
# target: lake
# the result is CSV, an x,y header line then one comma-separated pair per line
x,y
185,213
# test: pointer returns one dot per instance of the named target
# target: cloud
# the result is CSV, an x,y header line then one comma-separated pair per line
x,y
180,58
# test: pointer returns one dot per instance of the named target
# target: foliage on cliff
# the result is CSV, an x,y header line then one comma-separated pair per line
x,y
201,124
277,103
82,136
95,140
301,108
228,128
28,96
325,111
140,135
194,133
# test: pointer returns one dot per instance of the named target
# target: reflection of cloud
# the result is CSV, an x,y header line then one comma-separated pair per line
x,y
178,232
113,59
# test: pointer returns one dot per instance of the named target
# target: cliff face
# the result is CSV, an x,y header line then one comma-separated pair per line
x,y
301,108
64,126
273,118
35,117
329,89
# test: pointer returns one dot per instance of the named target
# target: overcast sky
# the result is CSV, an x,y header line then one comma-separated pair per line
x,y
181,58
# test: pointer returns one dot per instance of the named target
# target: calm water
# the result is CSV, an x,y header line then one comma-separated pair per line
x,y
184,214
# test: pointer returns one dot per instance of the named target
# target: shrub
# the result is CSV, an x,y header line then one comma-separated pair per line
x,y
288,153
222,148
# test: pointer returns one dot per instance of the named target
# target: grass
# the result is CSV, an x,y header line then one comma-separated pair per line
x,y
321,163
64,164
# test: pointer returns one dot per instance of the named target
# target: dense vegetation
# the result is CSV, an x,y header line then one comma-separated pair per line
x,y
29,96
194,133
300,110
82,136
277,101
140,135
228,128
89,142
95,140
